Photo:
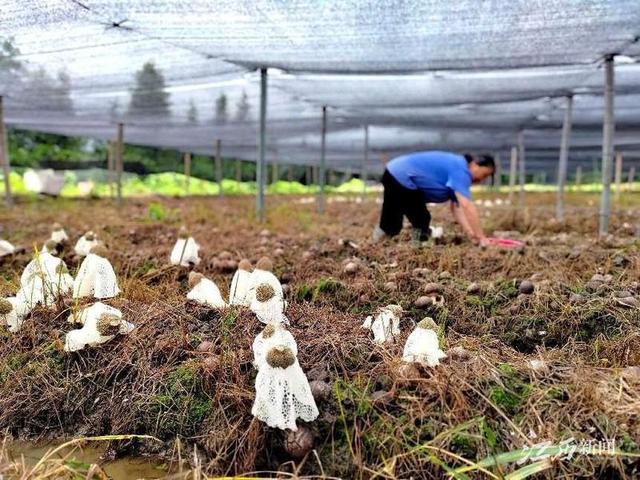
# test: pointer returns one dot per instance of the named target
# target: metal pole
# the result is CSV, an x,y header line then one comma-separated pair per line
x,y
618,176
110,148
119,162
262,140
219,166
513,163
365,161
323,159
187,172
521,167
578,176
632,176
4,157
564,158
289,173
497,177
608,127
238,171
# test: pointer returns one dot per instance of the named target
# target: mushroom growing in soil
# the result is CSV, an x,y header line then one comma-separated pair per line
x,y
526,287
44,279
6,248
185,251
422,345
58,235
12,313
427,301
283,393
225,262
263,274
241,284
204,291
96,276
100,324
267,305
385,326
85,243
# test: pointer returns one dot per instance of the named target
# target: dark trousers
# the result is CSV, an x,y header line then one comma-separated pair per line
x,y
399,201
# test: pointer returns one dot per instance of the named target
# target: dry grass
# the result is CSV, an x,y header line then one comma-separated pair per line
x,y
377,423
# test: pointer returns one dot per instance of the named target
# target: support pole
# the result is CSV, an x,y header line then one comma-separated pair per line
x,y
219,166
238,171
564,158
513,163
290,173
497,177
632,176
365,161
521,168
608,127
274,171
110,166
262,144
618,176
4,157
187,172
119,162
323,159
578,176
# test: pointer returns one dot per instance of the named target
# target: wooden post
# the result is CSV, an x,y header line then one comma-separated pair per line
x,y
521,167
110,166
323,160
497,177
365,162
563,161
119,162
632,176
219,166
578,176
274,171
238,171
512,171
290,173
261,174
618,175
4,157
187,172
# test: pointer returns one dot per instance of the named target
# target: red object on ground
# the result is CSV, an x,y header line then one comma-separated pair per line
x,y
505,242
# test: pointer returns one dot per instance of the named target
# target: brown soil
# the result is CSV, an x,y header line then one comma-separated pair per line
x,y
485,399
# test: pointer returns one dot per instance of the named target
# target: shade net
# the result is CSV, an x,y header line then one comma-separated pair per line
x,y
461,76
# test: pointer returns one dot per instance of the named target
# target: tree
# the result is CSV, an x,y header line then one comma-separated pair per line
x,y
192,113
45,93
148,97
221,110
242,109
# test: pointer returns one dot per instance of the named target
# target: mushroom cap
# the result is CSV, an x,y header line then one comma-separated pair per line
x,y
225,255
298,443
194,279
5,306
100,249
395,309
108,324
280,357
56,226
90,236
268,331
183,233
245,265
428,324
265,292
265,263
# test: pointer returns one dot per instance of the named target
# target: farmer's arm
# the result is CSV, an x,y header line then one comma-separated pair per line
x,y
467,209
459,216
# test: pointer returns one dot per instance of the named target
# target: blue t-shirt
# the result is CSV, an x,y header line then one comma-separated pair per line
x,y
438,175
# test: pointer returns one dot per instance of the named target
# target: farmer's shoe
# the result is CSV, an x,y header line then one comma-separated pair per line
x,y
421,238
378,234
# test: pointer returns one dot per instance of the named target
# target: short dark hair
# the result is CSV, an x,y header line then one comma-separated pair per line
x,y
483,160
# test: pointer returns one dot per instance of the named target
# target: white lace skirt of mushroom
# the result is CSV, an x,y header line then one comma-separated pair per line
x,y
422,345
283,393
85,243
267,305
100,323
204,291
96,276
44,279
241,285
185,252
12,312
6,248
385,326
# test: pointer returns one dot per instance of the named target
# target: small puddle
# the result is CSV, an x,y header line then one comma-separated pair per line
x,y
121,468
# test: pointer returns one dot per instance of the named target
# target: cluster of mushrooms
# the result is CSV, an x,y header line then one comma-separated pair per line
x,y
46,280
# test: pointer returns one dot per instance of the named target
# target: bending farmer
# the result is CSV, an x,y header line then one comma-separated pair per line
x,y
412,180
